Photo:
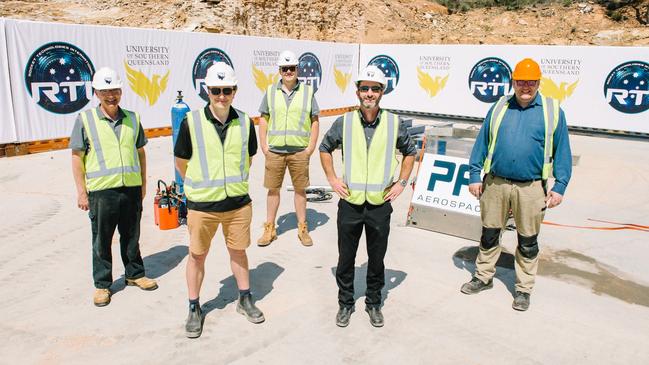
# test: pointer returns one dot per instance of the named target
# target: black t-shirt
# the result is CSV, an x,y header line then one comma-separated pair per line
x,y
183,149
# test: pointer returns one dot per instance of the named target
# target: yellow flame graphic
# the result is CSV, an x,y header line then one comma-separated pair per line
x,y
148,90
560,92
431,85
342,79
262,81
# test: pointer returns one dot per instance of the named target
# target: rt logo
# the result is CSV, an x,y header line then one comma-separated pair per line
x,y
204,60
390,69
627,87
450,175
490,79
309,70
58,77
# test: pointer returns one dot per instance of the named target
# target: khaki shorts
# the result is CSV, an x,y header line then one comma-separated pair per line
x,y
203,225
298,168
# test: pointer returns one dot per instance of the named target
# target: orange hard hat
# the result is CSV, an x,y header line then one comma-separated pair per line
x,y
527,69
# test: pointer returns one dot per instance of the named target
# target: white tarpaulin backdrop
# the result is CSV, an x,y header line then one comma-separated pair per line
x,y
51,65
600,87
7,125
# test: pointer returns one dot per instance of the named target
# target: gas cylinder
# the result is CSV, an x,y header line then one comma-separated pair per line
x,y
178,112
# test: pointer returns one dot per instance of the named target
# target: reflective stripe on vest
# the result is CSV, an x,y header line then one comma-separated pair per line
x,y
367,178
288,123
550,118
111,161
217,170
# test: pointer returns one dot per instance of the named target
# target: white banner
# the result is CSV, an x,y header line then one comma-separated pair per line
x,y
443,183
7,125
52,65
600,87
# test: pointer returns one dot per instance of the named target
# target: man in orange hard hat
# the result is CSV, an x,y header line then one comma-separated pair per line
x,y
524,137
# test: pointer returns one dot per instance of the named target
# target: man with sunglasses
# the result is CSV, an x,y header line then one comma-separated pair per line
x,y
109,169
522,138
213,153
369,138
288,132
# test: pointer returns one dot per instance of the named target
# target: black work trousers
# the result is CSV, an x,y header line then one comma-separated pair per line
x,y
111,208
351,220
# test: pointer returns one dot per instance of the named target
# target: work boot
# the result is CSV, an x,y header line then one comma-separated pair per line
x,y
303,234
269,235
246,307
476,285
521,301
376,317
101,297
194,323
143,283
343,315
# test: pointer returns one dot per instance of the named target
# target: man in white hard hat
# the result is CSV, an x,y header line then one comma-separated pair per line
x,y
288,133
213,153
109,169
369,138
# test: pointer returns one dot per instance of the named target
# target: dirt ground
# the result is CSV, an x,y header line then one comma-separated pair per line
x,y
367,21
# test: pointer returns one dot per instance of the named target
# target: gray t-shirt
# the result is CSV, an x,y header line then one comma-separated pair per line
x,y
264,109
79,138
334,136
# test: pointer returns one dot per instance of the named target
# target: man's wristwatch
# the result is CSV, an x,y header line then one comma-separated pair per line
x,y
403,182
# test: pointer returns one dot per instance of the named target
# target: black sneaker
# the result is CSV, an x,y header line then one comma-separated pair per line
x,y
376,317
343,315
521,301
194,323
476,285
246,307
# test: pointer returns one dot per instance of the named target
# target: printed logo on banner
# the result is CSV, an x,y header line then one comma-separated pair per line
x,y
264,60
443,183
309,70
58,77
204,60
429,82
147,88
627,87
490,79
560,77
342,64
390,69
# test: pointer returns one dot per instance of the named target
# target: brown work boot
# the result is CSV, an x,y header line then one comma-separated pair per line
x,y
303,234
143,283
270,235
101,297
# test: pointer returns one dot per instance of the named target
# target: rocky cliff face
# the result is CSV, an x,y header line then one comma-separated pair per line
x,y
367,21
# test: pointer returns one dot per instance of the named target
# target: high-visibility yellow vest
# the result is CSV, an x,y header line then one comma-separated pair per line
x,y
111,161
217,170
289,125
369,170
550,119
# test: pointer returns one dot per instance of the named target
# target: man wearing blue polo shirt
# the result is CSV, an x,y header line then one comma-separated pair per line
x,y
522,139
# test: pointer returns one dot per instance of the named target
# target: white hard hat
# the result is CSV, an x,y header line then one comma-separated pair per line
x,y
106,79
220,74
371,73
287,58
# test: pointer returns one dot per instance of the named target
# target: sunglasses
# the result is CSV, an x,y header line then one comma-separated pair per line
x,y
288,68
225,90
375,89
522,83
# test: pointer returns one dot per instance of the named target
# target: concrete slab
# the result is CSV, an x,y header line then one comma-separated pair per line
x,y
590,304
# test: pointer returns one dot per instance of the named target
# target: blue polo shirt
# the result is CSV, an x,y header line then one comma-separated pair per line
x,y
518,153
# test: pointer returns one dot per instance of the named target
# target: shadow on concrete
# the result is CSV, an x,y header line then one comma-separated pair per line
x,y
464,258
156,265
393,278
261,281
288,221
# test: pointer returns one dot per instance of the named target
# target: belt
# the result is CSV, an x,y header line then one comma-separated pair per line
x,y
515,180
